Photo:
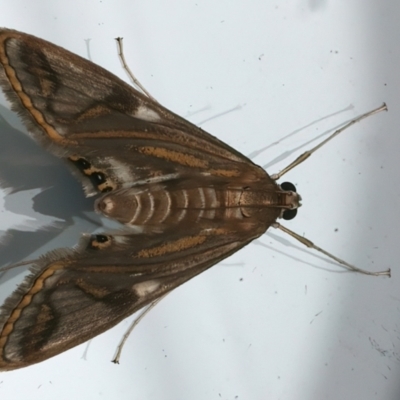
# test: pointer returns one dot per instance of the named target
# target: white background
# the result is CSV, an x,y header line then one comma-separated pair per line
x,y
273,321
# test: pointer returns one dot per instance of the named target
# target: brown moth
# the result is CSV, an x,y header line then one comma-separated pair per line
x,y
187,199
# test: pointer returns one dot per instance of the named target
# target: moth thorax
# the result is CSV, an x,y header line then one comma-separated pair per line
x,y
270,199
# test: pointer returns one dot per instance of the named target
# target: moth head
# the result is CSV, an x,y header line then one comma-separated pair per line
x,y
292,201
268,203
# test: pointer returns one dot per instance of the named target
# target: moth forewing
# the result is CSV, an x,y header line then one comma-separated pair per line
x,y
187,199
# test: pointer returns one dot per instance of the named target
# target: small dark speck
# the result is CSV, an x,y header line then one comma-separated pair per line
x,y
318,313
241,279
261,56
336,229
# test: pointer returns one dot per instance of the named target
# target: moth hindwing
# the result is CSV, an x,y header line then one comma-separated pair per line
x,y
187,199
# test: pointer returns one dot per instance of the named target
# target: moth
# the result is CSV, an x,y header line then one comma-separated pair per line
x,y
186,199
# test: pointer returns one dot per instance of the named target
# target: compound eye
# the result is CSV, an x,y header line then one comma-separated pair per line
x,y
289,214
288,187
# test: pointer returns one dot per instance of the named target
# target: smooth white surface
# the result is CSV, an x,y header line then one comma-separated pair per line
x,y
273,321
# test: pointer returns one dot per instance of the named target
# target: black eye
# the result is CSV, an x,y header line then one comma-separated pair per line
x,y
288,186
289,214
81,163
98,242
97,178
101,238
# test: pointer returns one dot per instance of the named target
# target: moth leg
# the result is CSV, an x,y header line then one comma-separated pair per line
x,y
311,245
118,352
135,81
306,154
